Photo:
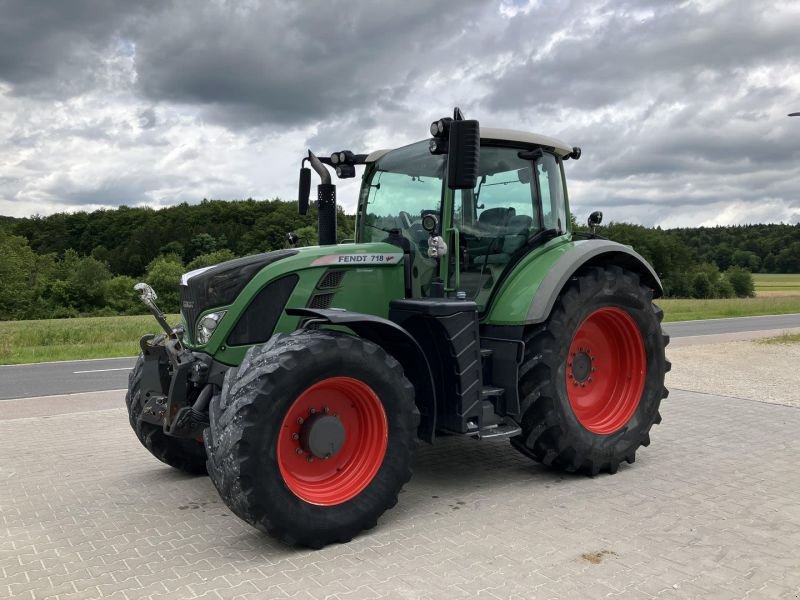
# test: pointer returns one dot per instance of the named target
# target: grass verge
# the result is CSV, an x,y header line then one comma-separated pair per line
x,y
784,338
71,339
718,308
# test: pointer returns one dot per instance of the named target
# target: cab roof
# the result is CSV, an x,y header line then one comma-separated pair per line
x,y
505,135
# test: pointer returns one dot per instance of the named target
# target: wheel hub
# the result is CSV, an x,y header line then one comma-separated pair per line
x,y
581,366
606,370
322,435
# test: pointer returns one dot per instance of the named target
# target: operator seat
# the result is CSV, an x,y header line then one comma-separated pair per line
x,y
493,219
513,235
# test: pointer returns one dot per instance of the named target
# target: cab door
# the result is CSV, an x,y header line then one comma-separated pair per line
x,y
513,199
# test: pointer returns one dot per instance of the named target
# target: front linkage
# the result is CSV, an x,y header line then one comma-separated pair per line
x,y
176,384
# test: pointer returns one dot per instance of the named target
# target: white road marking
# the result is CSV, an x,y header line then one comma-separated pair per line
x,y
101,370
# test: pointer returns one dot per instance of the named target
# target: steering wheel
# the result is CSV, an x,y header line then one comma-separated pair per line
x,y
405,220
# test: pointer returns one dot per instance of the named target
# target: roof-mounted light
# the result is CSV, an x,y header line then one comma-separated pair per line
x,y
441,128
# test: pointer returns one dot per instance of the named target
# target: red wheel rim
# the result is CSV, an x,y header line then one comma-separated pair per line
x,y
606,370
345,474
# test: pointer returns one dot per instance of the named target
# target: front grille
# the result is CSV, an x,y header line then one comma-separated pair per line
x,y
221,284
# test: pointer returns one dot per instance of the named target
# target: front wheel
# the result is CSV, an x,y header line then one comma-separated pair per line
x,y
312,437
187,455
592,378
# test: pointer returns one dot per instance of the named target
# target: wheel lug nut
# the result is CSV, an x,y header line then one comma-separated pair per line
x,y
299,450
583,385
327,410
310,459
300,420
295,436
312,410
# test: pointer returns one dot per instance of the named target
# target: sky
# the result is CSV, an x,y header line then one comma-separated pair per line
x,y
680,108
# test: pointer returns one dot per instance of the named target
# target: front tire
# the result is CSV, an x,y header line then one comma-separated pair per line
x,y
187,455
312,437
592,379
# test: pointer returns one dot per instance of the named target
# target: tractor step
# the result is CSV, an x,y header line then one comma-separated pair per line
x,y
497,431
489,391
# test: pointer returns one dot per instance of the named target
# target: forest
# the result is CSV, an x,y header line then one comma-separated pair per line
x,y
86,263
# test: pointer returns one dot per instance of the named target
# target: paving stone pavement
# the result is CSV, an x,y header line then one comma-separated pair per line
x,y
709,510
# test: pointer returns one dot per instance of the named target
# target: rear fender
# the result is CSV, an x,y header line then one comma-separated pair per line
x,y
397,342
584,254
528,293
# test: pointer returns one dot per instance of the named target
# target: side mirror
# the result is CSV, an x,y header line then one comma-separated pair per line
x,y
595,219
304,190
464,154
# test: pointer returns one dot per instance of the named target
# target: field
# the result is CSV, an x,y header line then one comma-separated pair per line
x,y
66,339
104,337
771,285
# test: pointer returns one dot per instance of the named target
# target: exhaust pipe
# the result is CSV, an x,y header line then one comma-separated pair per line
x,y
326,202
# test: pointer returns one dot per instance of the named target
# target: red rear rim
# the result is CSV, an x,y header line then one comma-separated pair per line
x,y
606,370
331,480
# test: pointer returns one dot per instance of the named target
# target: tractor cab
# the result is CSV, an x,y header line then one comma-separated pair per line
x,y
519,199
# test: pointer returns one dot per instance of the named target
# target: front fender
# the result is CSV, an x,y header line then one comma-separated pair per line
x,y
396,341
528,295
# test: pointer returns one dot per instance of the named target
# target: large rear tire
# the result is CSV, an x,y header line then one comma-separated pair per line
x,y
312,437
185,454
592,379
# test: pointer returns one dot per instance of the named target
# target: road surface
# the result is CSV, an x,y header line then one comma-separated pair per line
x,y
69,377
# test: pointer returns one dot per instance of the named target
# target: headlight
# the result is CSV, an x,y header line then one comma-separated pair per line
x,y
207,326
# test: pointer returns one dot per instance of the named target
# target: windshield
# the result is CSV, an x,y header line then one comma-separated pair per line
x,y
404,185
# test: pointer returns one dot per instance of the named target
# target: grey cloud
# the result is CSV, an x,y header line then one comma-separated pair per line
x,y
678,112
56,49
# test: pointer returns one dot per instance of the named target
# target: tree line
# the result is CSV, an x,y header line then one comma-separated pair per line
x,y
86,263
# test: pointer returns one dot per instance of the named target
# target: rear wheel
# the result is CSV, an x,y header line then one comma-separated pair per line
x,y
593,375
188,455
313,436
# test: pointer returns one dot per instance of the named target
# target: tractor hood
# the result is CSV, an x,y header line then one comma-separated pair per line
x,y
220,285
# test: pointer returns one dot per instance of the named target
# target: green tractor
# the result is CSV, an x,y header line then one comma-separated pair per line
x,y
302,379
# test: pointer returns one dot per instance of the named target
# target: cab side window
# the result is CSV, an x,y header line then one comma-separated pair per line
x,y
551,186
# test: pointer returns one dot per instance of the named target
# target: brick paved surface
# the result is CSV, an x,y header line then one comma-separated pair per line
x,y
710,510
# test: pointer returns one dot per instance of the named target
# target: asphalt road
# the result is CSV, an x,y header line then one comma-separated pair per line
x,y
69,377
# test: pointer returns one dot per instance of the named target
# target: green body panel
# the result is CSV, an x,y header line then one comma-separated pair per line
x,y
366,288
513,299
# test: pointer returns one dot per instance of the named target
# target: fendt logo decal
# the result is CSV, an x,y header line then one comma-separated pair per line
x,y
358,259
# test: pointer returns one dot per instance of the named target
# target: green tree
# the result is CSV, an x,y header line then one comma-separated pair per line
x,y
121,297
212,258
742,282
702,286
164,275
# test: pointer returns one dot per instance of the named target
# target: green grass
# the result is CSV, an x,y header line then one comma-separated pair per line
x,y
771,283
689,310
69,339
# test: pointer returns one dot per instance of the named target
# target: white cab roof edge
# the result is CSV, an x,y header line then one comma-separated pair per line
x,y
504,135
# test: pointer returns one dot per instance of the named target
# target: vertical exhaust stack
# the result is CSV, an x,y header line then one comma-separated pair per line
x,y
326,202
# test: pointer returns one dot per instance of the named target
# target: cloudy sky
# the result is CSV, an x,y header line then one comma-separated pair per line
x,y
680,107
